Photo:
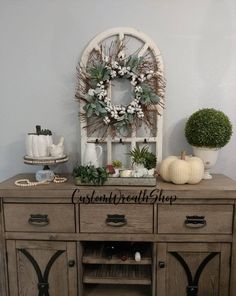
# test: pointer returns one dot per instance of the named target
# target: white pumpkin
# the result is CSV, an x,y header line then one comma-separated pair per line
x,y
182,170
38,145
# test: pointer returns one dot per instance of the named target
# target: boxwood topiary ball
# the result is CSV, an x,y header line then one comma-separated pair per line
x,y
208,128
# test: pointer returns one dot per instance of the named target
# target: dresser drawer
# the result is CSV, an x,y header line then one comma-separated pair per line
x,y
199,219
107,218
39,217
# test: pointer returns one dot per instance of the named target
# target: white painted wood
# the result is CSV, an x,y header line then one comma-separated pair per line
x,y
148,44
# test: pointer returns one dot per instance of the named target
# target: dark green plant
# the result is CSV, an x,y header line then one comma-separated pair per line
x,y
45,132
143,156
151,160
90,174
208,128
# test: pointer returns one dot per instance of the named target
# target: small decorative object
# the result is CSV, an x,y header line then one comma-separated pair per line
x,y
37,144
28,183
208,130
95,80
57,150
117,164
143,161
46,174
110,169
182,170
91,157
126,173
90,175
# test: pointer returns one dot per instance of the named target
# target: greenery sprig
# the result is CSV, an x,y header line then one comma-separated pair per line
x,y
147,82
90,174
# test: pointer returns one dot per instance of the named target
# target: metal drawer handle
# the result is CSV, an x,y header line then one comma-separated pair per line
x,y
38,220
195,221
116,220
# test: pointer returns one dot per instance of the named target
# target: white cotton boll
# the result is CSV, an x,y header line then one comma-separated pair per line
x,y
113,73
91,92
114,65
138,89
121,55
106,59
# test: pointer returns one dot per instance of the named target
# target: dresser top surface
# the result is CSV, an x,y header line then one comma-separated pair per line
x,y
220,186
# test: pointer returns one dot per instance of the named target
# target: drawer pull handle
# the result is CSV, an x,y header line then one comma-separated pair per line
x,y
161,264
116,220
38,220
195,221
71,263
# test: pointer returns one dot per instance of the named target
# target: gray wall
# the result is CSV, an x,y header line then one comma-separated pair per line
x,y
42,41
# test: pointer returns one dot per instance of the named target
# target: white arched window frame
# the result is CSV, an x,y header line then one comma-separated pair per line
x,y
147,45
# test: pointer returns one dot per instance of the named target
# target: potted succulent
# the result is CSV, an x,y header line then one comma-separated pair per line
x,y
144,161
208,130
117,165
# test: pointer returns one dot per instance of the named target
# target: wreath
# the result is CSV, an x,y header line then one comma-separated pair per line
x,y
95,79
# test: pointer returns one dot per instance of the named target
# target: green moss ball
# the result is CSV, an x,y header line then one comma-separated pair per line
x,y
208,128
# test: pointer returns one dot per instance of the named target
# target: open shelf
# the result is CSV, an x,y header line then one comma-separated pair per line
x,y
94,254
117,274
124,290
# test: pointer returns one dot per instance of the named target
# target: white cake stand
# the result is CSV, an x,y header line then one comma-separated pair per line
x,y
45,162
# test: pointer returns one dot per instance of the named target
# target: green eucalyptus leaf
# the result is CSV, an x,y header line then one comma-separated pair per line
x,y
89,112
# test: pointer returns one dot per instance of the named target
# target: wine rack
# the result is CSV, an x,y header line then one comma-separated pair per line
x,y
103,271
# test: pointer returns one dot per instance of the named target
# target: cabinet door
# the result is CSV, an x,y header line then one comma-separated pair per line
x,y
193,269
42,268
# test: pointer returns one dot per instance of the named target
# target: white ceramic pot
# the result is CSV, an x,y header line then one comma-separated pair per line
x,y
139,170
117,173
209,157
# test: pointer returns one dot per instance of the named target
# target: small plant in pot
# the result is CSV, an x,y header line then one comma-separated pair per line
x,y
144,161
117,165
208,130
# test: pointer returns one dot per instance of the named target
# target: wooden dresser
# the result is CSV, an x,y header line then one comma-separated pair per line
x,y
52,239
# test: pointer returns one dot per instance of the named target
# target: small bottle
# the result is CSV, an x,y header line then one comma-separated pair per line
x,y
138,250
109,250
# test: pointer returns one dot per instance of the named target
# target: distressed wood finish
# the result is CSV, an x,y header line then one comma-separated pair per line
x,y
74,227
172,219
214,279
219,188
23,280
60,218
139,218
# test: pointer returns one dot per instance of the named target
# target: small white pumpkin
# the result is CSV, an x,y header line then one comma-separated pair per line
x,y
182,170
